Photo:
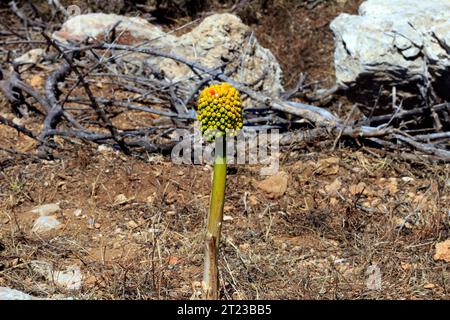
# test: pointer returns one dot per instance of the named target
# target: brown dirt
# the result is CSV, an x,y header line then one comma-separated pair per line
x,y
342,212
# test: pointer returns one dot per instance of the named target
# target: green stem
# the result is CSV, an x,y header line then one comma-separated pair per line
x,y
218,191
210,276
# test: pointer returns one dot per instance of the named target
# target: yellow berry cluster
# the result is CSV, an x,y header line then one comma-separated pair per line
x,y
220,110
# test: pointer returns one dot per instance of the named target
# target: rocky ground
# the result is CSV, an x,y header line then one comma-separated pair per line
x,y
134,229
96,224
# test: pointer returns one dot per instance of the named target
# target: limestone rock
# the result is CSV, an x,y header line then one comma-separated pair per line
x,y
31,57
275,186
46,209
402,43
218,39
45,223
13,294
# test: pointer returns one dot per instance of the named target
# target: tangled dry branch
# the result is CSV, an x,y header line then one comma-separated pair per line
x,y
69,107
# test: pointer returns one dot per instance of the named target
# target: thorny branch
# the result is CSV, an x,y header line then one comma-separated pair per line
x,y
80,113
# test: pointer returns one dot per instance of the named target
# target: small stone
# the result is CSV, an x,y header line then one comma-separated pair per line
x,y
442,251
97,225
173,260
91,223
104,149
46,209
393,186
228,208
150,199
116,245
31,57
18,121
253,200
334,201
121,199
132,224
227,218
405,266
77,212
333,188
275,186
37,81
45,223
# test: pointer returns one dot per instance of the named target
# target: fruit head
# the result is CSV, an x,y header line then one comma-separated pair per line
x,y
219,110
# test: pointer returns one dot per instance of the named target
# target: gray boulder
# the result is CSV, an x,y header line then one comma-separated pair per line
x,y
401,43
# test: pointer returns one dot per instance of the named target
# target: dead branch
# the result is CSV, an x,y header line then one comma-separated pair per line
x,y
271,112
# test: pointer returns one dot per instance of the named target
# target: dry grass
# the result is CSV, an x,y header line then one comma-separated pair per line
x,y
312,243
342,212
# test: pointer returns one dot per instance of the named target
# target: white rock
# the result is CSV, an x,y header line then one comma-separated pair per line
x,y
104,149
93,25
120,199
31,57
46,209
70,279
45,223
219,38
398,43
13,294
77,212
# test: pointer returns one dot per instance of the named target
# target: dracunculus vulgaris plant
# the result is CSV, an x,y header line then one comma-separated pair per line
x,y
220,114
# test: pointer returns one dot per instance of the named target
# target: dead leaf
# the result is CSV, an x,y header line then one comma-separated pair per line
x,y
442,251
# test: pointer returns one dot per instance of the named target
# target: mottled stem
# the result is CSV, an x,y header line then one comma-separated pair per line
x,y
212,239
